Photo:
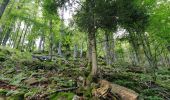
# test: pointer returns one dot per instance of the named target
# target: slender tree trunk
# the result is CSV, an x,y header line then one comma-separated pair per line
x,y
3,7
61,32
1,34
43,45
7,35
51,40
40,47
29,45
134,41
23,40
16,35
40,44
112,49
81,50
108,42
149,55
75,51
32,46
1,28
18,44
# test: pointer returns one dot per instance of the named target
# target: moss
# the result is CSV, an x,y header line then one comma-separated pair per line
x,y
15,95
153,98
2,57
3,92
62,96
88,92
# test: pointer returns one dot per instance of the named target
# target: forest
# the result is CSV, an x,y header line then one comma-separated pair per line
x,y
84,49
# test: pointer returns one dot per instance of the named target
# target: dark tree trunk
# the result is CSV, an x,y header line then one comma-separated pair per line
x,y
3,7
7,36
134,41
148,53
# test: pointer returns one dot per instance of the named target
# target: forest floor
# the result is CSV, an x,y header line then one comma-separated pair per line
x,y
22,77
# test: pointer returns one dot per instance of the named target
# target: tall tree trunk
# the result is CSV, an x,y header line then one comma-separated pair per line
x,y
75,51
92,37
7,35
3,7
51,40
18,44
107,51
3,24
112,48
43,45
94,55
149,55
134,41
109,48
40,43
89,51
23,40
81,50
40,47
16,34
61,32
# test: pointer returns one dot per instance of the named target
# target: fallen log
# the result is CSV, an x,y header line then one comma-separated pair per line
x,y
107,88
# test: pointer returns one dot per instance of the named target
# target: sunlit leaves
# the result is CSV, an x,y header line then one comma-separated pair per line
x,y
160,22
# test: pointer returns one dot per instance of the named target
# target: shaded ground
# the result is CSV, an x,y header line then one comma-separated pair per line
x,y
24,77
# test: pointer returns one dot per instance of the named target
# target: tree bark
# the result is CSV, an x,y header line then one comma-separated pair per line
x,y
134,41
75,51
149,55
7,35
89,51
23,40
40,44
61,31
3,7
18,44
94,55
81,50
16,34
51,40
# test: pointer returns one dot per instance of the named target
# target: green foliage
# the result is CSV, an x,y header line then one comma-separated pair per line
x,y
159,22
15,95
50,7
62,95
3,92
136,17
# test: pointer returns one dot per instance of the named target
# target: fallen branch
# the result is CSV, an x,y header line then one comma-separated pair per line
x,y
60,90
66,89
